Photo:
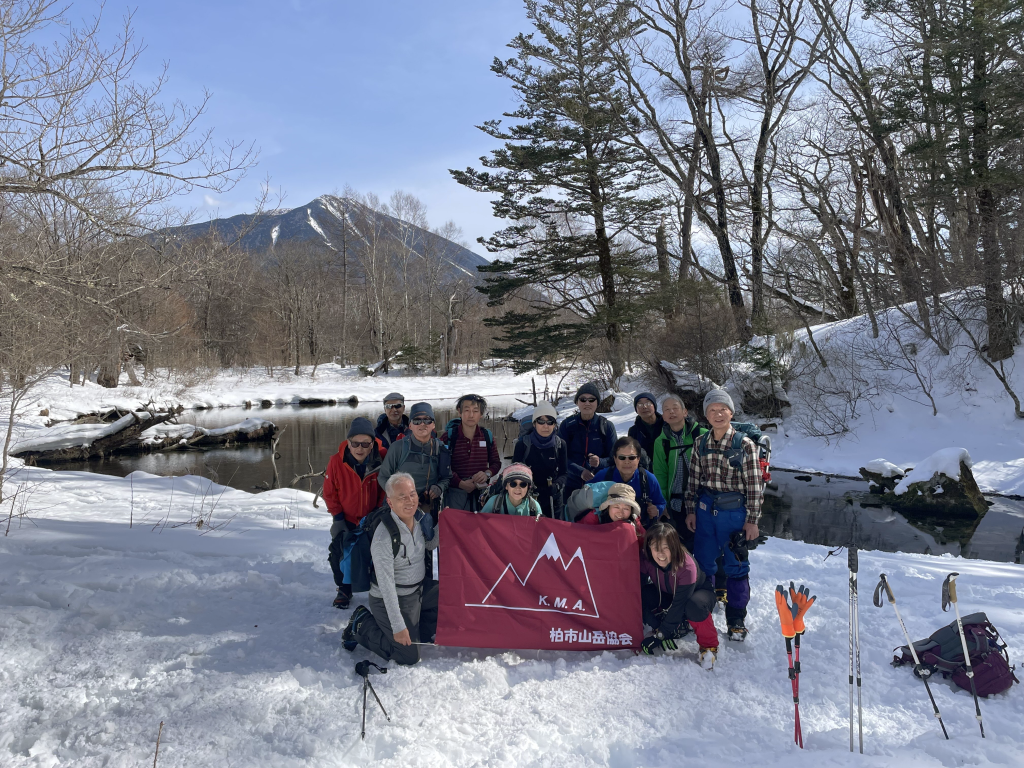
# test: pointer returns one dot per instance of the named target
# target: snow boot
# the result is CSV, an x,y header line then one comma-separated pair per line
x,y
348,636
344,597
708,656
722,595
737,630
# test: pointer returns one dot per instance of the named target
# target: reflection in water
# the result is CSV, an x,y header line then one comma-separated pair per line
x,y
836,512
821,511
310,437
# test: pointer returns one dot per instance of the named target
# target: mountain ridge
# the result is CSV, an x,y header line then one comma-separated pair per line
x,y
323,221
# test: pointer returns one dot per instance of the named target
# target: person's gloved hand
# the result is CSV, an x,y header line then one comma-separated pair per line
x,y
657,640
802,602
426,525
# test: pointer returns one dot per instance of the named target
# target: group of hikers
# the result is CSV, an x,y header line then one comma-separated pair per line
x,y
692,493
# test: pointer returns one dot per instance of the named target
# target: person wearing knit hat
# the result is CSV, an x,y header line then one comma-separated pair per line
x,y
514,498
541,449
588,436
719,396
647,427
393,424
723,499
424,457
351,492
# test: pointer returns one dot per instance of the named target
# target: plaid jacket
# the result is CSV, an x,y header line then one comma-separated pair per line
x,y
713,471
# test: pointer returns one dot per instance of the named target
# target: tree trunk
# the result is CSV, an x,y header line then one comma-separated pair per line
x,y
668,302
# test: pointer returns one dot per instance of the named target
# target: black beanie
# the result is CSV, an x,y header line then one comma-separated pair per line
x,y
590,388
360,426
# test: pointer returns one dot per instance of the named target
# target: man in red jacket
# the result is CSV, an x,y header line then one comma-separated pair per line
x,y
351,492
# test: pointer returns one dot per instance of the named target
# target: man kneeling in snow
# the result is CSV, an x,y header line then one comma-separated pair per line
x,y
400,612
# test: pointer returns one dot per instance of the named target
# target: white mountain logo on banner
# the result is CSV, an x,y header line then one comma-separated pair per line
x,y
551,585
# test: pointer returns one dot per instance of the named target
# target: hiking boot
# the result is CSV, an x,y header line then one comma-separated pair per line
x,y
737,632
707,657
348,636
343,598
722,595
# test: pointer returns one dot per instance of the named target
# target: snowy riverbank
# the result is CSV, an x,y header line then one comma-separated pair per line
x,y
229,638
891,427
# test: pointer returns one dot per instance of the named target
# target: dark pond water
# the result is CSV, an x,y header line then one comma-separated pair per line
x,y
818,510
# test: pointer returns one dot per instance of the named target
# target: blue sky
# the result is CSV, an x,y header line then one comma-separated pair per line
x,y
376,95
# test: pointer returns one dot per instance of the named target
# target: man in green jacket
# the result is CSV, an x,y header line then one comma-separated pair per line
x,y
671,459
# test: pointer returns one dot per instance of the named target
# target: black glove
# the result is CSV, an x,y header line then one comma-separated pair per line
x,y
656,640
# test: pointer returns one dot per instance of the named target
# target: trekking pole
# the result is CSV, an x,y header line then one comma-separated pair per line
x,y
787,614
949,596
802,601
919,669
852,562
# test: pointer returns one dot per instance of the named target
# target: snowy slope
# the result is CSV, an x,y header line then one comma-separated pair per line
x,y
229,638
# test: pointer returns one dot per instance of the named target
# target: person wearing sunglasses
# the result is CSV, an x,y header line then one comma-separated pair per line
x,y
351,492
393,424
588,436
545,453
626,455
514,499
422,456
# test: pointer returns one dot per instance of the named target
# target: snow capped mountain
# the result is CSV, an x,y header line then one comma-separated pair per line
x,y
322,221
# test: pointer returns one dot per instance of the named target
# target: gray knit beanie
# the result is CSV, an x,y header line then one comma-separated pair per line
x,y
718,396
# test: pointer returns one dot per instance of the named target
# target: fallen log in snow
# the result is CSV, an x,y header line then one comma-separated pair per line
x,y
180,436
140,432
77,442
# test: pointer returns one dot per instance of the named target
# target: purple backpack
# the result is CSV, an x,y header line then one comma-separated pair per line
x,y
943,652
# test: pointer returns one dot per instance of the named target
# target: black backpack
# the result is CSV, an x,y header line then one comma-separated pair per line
x,y
363,573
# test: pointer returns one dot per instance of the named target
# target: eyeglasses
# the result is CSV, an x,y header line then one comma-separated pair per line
x,y
627,458
645,404
587,400
420,421
518,484
546,422
394,406
354,444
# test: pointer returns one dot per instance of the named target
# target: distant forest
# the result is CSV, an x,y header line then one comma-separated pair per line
x,y
676,179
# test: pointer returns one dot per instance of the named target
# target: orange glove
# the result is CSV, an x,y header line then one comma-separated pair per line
x,y
786,613
802,602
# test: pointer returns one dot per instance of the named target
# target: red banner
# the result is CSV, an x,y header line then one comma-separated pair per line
x,y
519,582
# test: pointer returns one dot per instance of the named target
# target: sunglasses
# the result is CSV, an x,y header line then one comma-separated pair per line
x,y
518,484
394,406
627,458
354,444
587,400
546,422
419,422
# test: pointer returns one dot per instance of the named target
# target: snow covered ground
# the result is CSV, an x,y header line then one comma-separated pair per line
x,y
227,635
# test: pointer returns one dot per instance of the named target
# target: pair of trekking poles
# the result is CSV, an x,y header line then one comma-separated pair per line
x,y
791,617
920,670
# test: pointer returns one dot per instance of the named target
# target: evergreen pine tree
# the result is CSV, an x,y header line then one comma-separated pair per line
x,y
572,191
